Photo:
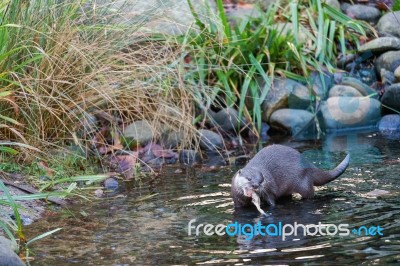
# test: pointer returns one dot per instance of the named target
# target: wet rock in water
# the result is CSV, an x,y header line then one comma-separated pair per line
x,y
111,183
285,93
7,255
210,140
350,112
388,24
321,83
364,89
228,119
343,90
363,12
391,97
189,157
140,131
380,45
290,120
390,125
389,61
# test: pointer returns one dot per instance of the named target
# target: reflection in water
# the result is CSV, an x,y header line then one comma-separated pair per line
x,y
125,231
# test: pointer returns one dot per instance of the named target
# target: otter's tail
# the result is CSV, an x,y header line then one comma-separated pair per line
x,y
322,177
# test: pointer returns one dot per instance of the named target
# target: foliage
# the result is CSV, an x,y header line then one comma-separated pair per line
x,y
61,65
229,61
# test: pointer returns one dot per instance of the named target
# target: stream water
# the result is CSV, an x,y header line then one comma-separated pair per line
x,y
134,228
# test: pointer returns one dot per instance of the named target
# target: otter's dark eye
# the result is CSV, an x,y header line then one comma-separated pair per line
x,y
248,178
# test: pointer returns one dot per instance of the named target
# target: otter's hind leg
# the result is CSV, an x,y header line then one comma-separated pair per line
x,y
306,189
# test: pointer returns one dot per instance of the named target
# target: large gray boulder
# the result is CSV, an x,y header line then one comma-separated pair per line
x,y
285,93
157,16
350,112
7,254
290,120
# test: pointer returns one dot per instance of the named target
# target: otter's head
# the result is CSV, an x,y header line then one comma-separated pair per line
x,y
244,184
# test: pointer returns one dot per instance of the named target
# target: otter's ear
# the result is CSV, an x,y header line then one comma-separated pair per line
x,y
239,172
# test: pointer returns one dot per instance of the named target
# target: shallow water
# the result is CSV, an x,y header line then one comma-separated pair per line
x,y
134,230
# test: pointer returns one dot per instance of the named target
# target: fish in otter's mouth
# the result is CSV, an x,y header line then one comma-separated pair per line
x,y
250,192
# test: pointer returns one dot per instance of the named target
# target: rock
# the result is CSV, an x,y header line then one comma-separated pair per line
x,y
333,3
388,24
172,17
338,77
264,131
390,123
210,140
377,193
364,89
391,97
380,45
343,90
111,183
387,77
172,138
321,83
238,12
344,6
290,120
140,131
364,12
7,254
350,112
87,126
366,75
189,157
396,75
155,155
214,159
389,61
227,119
283,94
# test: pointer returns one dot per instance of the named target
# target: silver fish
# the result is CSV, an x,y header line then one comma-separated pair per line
x,y
255,199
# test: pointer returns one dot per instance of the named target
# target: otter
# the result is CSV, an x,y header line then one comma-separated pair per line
x,y
277,171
